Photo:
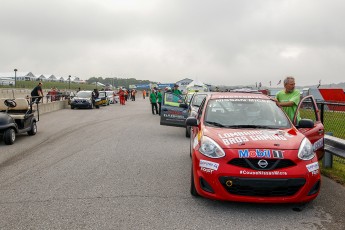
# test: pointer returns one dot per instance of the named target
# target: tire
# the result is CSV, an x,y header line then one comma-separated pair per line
x,y
9,136
192,185
33,130
187,131
72,107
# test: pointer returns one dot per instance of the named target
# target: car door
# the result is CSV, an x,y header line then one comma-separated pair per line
x,y
174,110
308,109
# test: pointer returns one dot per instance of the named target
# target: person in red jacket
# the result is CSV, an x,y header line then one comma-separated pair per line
x,y
122,96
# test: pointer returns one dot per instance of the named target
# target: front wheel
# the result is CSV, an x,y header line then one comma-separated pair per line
x,y
187,131
33,130
9,136
192,185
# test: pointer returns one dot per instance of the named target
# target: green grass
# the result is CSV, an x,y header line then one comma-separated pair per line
x,y
337,172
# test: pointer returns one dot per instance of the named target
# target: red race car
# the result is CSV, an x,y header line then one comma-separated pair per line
x,y
244,148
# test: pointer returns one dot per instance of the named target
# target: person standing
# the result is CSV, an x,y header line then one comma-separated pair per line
x,y
37,93
153,100
159,101
133,94
122,96
289,98
95,95
144,94
176,90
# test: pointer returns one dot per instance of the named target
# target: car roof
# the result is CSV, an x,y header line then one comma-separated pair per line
x,y
222,95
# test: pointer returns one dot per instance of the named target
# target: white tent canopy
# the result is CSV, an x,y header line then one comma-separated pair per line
x,y
196,86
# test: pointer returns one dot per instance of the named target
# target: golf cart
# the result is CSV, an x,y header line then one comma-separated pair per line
x,y
16,116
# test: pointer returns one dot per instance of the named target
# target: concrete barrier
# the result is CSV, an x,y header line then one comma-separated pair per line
x,y
53,106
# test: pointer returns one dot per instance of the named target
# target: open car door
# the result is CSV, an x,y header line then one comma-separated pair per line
x,y
308,109
174,111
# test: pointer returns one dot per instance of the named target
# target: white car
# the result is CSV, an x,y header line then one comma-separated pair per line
x,y
111,97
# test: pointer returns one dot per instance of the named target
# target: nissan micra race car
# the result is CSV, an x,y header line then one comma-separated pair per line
x,y
245,148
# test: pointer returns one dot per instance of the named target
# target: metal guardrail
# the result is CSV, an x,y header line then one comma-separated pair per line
x,y
333,147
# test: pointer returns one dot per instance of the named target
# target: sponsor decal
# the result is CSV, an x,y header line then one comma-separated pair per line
x,y
245,136
263,173
206,170
313,173
312,167
208,165
277,154
245,153
260,153
318,144
244,100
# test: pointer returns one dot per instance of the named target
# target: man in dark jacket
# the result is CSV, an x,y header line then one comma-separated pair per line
x,y
37,93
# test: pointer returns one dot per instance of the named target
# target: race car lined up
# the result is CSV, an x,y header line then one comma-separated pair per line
x,y
245,148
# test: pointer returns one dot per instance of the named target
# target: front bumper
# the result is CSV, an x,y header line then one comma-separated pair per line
x,y
290,184
81,105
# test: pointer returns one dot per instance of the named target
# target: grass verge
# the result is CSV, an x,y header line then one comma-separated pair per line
x,y
337,172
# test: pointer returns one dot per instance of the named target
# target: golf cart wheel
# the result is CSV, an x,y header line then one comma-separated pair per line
x,y
9,136
33,130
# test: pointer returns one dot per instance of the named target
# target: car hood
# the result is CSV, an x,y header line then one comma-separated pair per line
x,y
255,138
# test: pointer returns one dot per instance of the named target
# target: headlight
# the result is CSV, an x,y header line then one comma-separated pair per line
x,y
306,151
210,148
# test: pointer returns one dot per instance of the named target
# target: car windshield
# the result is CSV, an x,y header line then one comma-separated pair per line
x,y
198,99
84,94
245,113
189,97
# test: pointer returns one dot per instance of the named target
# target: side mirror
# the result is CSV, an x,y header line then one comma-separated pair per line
x,y
185,106
191,121
305,123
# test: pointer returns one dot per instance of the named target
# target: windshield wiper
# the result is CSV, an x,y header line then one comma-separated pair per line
x,y
214,123
251,126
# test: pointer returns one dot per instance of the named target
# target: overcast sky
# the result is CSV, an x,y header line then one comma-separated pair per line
x,y
230,42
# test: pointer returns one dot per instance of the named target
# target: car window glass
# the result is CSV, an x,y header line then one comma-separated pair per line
x,y
84,94
172,99
230,112
307,110
198,99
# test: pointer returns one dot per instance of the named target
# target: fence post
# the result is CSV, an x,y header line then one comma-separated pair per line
x,y
327,160
322,112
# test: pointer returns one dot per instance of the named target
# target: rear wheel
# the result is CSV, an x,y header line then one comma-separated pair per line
x,y
33,130
9,136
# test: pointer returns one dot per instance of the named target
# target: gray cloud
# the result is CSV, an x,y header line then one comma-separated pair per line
x,y
219,42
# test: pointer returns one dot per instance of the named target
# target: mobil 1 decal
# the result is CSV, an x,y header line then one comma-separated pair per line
x,y
260,153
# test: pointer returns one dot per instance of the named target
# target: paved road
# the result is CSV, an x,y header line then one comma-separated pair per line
x,y
117,168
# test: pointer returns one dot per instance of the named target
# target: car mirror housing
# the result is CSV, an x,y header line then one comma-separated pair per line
x,y
305,123
191,121
185,106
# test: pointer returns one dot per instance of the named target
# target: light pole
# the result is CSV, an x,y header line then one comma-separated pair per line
x,y
15,78
69,82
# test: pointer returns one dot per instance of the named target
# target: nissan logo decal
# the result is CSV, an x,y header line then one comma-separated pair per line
x,y
262,163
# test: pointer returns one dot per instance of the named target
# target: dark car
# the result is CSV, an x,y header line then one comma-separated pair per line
x,y
83,99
